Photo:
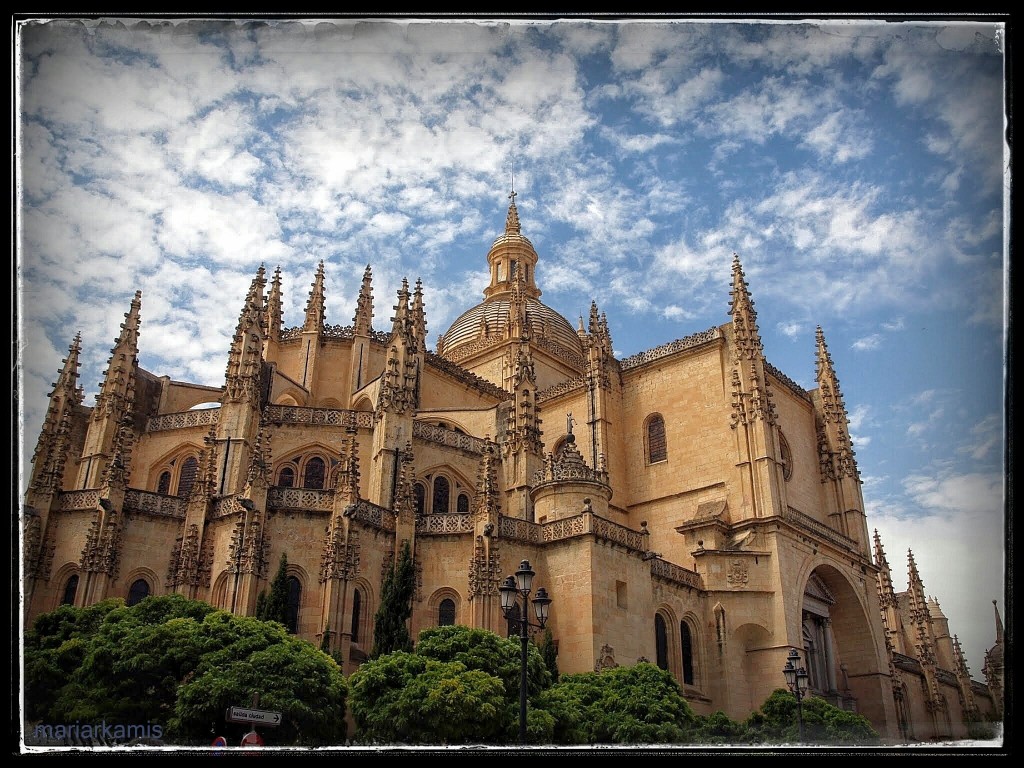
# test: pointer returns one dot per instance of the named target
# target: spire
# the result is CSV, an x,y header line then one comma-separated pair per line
x,y
260,463
117,469
419,318
512,219
362,323
348,476
886,591
275,313
833,412
405,500
245,358
999,624
400,322
744,318
488,494
65,395
315,305
117,390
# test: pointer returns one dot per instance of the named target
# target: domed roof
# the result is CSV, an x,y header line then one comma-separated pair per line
x,y
487,322
512,293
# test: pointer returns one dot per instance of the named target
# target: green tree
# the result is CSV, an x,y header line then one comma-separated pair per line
x,y
390,623
549,652
824,724
641,704
460,686
274,607
179,663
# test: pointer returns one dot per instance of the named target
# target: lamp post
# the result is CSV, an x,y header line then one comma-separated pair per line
x,y
796,680
511,590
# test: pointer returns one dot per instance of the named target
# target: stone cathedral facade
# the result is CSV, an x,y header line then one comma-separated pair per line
x,y
690,505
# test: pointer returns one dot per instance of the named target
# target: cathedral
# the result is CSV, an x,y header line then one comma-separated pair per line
x,y
690,505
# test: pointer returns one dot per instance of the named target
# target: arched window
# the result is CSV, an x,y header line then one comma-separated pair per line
x,y
357,609
661,640
294,600
785,457
163,485
687,643
462,506
419,494
70,589
138,591
287,477
657,449
442,490
189,470
446,613
313,477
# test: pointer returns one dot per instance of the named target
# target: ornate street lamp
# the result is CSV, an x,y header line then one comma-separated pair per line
x,y
511,590
796,680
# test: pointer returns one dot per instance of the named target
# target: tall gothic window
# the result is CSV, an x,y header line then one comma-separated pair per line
x,y
313,477
462,506
661,640
287,477
70,589
189,470
687,643
138,591
446,613
294,600
163,485
419,494
357,609
657,449
442,490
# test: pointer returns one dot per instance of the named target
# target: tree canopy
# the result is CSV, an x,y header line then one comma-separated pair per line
x,y
179,663
390,623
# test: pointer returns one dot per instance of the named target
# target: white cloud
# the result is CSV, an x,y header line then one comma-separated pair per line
x,y
867,343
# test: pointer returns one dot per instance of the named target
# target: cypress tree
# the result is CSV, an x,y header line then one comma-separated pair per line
x,y
390,623
275,605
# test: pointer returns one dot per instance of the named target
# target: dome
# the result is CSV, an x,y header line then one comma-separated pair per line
x,y
487,322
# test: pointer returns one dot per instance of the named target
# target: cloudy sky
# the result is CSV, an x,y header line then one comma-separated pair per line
x,y
856,166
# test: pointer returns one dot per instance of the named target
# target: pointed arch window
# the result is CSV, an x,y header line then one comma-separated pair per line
x,y
419,494
313,476
70,590
661,640
462,505
442,494
687,647
286,479
446,613
138,592
163,485
189,470
294,601
357,609
657,447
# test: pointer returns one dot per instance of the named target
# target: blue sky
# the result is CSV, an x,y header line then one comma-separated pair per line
x,y
856,166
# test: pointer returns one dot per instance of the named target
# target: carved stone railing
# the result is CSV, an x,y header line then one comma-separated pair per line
x,y
573,358
300,498
792,385
372,514
297,414
201,418
154,503
85,499
340,332
225,506
906,663
619,534
442,524
519,530
570,527
466,377
450,437
693,340
663,569
561,388
801,520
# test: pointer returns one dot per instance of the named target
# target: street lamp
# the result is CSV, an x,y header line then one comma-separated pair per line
x,y
510,590
796,680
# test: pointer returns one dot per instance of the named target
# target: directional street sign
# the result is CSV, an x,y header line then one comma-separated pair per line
x,y
261,716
